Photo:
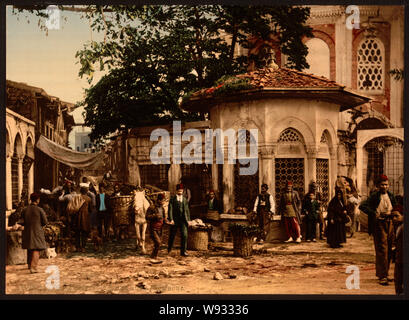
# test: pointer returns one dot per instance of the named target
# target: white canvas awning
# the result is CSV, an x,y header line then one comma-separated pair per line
x,y
74,159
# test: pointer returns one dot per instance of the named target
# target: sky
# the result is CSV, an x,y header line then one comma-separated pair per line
x,y
48,61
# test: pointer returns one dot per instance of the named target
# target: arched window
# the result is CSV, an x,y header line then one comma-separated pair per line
x,y
318,57
371,65
290,135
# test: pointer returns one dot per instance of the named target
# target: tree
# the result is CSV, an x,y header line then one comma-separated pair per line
x,y
155,55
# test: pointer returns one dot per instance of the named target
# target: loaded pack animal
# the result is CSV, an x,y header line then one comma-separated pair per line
x,y
140,206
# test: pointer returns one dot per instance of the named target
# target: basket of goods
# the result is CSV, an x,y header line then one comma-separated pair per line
x,y
198,235
243,238
121,209
52,233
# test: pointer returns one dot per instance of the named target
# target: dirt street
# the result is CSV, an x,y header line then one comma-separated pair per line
x,y
275,268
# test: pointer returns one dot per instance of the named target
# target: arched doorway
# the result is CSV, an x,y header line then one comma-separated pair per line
x,y
383,155
318,58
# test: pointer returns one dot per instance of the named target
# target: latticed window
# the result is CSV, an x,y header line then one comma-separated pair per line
x,y
155,175
290,135
289,170
371,65
323,179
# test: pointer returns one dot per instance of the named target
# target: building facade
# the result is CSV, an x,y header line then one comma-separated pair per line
x,y
47,116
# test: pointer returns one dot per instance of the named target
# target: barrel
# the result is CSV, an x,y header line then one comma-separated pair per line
x,y
121,208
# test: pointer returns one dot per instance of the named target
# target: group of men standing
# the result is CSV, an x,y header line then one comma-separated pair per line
x,y
290,208
385,221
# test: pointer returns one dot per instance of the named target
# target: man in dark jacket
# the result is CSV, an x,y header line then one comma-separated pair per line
x,y
178,216
264,207
379,207
34,218
310,209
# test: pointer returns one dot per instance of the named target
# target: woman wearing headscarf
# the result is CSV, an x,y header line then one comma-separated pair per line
x,y
337,218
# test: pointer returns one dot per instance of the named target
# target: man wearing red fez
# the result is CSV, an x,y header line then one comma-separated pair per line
x,y
290,210
379,207
34,218
155,215
178,216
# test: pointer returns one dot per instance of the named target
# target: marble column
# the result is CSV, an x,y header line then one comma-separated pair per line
x,y
359,167
333,167
311,172
266,173
20,177
31,180
9,193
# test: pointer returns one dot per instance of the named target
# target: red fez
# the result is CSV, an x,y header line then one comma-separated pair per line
x,y
289,183
382,177
34,196
179,186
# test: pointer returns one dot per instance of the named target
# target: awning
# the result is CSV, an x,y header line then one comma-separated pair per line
x,y
74,159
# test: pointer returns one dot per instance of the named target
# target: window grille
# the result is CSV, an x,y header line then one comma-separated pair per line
x,y
323,179
289,169
155,175
384,155
371,65
290,135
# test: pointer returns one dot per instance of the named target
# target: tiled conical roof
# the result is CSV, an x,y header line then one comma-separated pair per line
x,y
286,78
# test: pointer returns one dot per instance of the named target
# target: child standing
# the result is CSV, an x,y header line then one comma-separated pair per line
x,y
156,216
310,208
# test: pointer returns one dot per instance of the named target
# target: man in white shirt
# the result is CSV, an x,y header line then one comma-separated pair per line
x,y
379,207
264,206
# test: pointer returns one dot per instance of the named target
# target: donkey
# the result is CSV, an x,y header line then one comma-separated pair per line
x,y
140,206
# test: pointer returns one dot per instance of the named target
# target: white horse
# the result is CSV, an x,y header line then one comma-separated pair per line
x,y
140,206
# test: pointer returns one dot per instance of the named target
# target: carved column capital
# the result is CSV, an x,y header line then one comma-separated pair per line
x,y
267,151
312,151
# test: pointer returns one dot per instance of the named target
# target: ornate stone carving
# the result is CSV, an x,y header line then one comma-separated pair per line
x,y
312,151
267,151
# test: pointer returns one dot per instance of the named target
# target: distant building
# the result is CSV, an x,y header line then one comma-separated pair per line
x,y
82,141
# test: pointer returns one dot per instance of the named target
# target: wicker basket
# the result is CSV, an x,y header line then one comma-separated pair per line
x,y
122,206
213,215
242,245
198,240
